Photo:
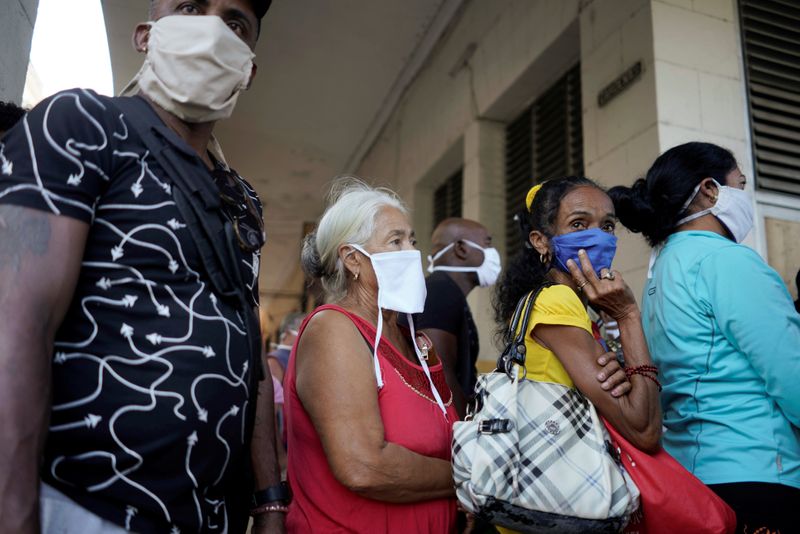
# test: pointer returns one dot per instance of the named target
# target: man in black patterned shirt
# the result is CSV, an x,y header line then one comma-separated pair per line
x,y
118,358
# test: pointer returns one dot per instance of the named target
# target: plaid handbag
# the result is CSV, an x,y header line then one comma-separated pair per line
x,y
534,456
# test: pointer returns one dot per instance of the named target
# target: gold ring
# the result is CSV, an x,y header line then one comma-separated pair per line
x,y
582,284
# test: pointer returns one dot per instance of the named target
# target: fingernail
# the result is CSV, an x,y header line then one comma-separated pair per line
x,y
602,360
604,386
570,262
582,252
616,393
601,377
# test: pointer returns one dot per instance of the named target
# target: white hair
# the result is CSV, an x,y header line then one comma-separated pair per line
x,y
349,218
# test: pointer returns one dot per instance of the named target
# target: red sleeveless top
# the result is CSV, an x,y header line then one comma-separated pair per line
x,y
411,418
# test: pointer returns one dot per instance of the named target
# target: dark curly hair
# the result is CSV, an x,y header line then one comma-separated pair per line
x,y
652,205
10,114
525,271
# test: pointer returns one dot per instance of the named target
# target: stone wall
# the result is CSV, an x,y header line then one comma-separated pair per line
x,y
691,87
16,31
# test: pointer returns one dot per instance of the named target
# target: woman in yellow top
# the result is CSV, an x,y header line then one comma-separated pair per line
x,y
568,231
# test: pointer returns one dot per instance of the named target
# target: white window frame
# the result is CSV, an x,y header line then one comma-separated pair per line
x,y
775,206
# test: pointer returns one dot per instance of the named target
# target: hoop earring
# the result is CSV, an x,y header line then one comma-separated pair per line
x,y
544,259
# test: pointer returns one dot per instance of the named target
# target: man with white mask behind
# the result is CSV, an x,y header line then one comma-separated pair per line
x,y
462,259
120,358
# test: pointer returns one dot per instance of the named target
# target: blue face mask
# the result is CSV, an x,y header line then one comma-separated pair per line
x,y
600,247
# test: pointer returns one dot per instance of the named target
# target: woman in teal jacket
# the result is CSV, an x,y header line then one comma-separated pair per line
x,y
722,328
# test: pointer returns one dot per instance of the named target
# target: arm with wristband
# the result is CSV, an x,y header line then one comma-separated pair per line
x,y
637,415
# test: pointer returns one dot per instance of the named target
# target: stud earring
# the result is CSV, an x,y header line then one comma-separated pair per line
x,y
355,276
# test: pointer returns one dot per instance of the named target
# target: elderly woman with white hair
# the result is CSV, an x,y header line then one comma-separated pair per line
x,y
369,414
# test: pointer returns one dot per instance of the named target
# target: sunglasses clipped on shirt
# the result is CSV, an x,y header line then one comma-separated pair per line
x,y
240,207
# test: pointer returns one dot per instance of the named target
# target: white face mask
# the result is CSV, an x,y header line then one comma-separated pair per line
x,y
488,271
195,67
733,209
401,288
401,282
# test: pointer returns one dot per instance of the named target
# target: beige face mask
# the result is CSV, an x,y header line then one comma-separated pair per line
x,y
195,67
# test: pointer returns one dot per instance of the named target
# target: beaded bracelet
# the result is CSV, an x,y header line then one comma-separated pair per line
x,y
647,371
644,368
267,508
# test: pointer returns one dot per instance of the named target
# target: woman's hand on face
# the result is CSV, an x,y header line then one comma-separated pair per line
x,y
610,293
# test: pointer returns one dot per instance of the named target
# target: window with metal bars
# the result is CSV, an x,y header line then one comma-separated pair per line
x,y
544,142
447,198
771,42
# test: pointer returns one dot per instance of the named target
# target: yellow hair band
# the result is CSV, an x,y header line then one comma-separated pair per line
x,y
531,194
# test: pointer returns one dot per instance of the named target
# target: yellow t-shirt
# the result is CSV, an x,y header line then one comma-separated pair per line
x,y
556,305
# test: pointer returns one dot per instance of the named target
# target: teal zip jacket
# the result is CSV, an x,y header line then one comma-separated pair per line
x,y
722,328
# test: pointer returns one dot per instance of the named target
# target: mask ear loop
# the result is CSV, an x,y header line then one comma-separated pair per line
x,y
686,204
424,365
432,259
452,269
653,257
375,361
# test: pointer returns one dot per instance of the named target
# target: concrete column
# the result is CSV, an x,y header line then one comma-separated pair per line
x,y
702,96
484,201
691,89
700,75
620,137
422,214
16,32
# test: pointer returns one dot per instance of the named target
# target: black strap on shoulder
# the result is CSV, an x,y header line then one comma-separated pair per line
x,y
515,350
197,200
195,195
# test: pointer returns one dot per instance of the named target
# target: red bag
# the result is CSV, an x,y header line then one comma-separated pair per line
x,y
673,499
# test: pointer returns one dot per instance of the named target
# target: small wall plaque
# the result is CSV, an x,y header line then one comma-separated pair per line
x,y
622,82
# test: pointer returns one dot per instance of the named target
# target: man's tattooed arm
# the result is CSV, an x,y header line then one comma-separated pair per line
x,y
40,258
22,232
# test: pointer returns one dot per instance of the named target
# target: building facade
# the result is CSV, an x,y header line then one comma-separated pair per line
x,y
461,105
519,91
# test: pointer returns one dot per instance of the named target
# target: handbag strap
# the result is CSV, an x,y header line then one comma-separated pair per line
x,y
515,350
